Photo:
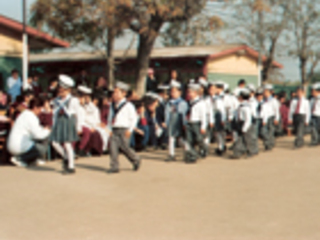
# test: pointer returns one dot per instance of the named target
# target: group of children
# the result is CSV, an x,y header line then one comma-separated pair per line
x,y
83,123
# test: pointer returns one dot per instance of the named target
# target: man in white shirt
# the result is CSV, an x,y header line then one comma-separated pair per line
x,y
27,139
299,116
315,115
196,125
123,121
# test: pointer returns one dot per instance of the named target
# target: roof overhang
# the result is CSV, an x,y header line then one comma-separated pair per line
x,y
36,39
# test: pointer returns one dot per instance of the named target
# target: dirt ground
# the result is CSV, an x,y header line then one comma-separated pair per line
x,y
273,196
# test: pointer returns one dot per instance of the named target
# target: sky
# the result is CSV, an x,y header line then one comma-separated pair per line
x,y
13,9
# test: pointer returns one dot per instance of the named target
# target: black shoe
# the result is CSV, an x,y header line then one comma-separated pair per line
x,y
136,165
69,171
171,159
82,153
112,171
65,164
219,152
204,153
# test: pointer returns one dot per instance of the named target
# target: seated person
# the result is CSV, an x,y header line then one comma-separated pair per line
x,y
140,135
27,139
46,115
3,100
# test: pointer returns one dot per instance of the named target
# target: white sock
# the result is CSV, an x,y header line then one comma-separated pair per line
x,y
58,147
206,141
171,146
70,154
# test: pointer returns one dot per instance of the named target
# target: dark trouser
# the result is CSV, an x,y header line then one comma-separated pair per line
x,y
299,126
194,137
38,151
245,143
119,142
315,130
271,131
137,139
264,134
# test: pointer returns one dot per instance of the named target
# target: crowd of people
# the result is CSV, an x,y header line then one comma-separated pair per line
x,y
77,120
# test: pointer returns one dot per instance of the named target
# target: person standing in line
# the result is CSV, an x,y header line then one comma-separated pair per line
x,y
299,116
315,115
275,113
28,139
196,125
64,131
175,118
123,120
220,119
245,141
263,114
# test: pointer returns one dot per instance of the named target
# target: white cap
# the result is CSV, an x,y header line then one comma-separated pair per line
x,y
203,82
259,91
220,84
194,86
251,87
163,87
192,81
315,86
84,89
175,84
268,87
226,86
123,86
244,91
66,81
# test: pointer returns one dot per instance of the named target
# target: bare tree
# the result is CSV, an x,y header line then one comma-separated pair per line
x,y
305,23
260,24
96,23
147,18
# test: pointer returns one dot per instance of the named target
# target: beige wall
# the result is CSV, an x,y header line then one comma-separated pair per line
x,y
10,47
233,64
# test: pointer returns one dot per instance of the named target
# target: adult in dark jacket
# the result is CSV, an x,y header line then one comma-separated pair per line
x,y
151,84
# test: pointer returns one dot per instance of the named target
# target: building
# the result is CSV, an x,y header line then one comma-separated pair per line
x,y
224,62
11,44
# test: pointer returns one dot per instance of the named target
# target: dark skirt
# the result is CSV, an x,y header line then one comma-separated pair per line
x,y
64,130
175,128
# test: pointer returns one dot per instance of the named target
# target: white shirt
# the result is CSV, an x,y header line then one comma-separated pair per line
x,y
265,112
198,112
127,116
315,106
72,108
274,108
245,115
220,107
24,132
303,109
253,103
209,109
92,116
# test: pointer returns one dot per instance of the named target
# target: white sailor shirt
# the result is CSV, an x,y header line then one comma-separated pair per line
x,y
198,112
303,108
315,106
245,116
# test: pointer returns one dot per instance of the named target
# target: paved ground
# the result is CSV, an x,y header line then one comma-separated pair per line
x,y
274,196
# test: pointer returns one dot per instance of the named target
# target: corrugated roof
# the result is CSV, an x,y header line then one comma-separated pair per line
x,y
214,51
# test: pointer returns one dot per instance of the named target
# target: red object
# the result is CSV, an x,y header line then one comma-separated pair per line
x,y
298,107
46,119
144,121
284,112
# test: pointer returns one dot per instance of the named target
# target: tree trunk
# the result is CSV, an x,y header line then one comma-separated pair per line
x,y
110,58
146,42
303,65
267,67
